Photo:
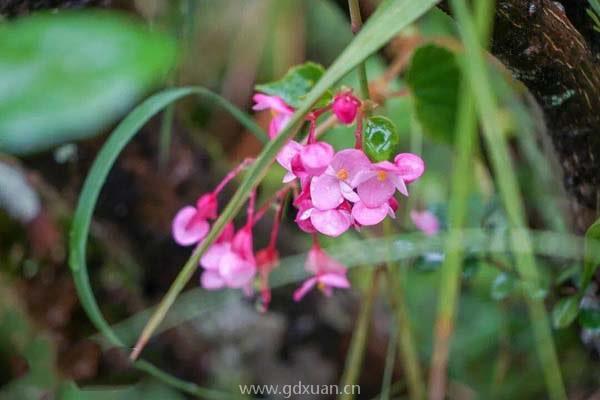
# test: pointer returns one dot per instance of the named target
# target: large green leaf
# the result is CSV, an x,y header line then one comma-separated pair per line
x,y
433,77
391,17
64,76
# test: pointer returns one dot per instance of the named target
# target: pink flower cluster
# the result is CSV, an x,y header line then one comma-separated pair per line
x,y
334,191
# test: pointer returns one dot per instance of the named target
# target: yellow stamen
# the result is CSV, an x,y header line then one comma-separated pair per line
x,y
381,175
342,174
321,286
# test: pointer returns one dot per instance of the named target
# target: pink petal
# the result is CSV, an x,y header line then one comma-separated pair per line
x,y
316,157
352,161
331,222
369,216
210,260
235,271
207,206
319,262
335,280
187,229
376,191
287,153
426,222
348,193
211,280
278,124
325,192
398,183
264,102
410,166
304,289
242,244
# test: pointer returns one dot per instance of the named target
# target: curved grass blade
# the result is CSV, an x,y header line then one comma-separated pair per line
x,y
389,19
93,184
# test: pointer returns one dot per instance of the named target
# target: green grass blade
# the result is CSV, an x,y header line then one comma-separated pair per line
x,y
477,74
465,134
97,176
391,17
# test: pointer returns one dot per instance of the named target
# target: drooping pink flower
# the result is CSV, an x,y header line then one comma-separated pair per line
x,y
281,112
330,189
368,216
229,262
190,224
379,183
410,166
425,221
303,161
327,273
345,107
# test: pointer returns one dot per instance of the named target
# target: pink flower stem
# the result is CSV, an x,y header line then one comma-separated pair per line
x,y
232,174
358,132
250,212
280,194
277,222
312,130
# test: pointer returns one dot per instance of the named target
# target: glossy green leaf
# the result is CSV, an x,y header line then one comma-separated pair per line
x,y
589,318
565,311
433,77
380,138
591,260
295,84
64,76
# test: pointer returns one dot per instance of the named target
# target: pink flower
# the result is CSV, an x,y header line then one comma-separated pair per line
x,y
303,161
280,111
379,183
425,221
190,224
332,222
229,262
345,107
329,222
367,216
327,273
410,166
330,189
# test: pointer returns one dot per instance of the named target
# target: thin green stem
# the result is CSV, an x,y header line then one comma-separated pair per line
x,y
356,24
354,360
390,361
477,74
465,134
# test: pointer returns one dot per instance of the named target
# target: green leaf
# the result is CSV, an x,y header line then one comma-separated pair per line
x,y
433,77
66,75
589,318
590,259
565,311
380,138
503,286
387,21
296,83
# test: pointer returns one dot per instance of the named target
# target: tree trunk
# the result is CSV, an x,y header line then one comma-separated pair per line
x,y
538,42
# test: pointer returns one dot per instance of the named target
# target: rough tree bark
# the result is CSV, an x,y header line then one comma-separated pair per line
x,y
538,42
